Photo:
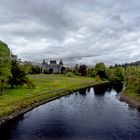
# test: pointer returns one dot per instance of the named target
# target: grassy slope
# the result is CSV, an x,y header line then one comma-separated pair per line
x,y
47,87
132,94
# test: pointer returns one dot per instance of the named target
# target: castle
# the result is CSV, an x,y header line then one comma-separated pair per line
x,y
53,67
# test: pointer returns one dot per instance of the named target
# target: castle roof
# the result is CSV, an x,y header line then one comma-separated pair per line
x,y
43,63
61,62
53,62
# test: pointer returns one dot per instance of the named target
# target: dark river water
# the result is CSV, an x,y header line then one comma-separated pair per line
x,y
90,114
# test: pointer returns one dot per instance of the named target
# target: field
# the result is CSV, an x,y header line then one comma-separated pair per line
x,y
47,87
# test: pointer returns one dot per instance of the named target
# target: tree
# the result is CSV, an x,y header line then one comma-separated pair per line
x,y
36,69
114,74
100,69
5,64
110,75
83,70
76,69
91,72
27,66
119,74
18,75
63,70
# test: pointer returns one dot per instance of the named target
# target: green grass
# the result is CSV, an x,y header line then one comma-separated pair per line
x,y
132,94
46,87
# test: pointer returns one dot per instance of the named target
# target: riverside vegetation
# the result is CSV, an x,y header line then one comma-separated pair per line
x,y
22,85
132,80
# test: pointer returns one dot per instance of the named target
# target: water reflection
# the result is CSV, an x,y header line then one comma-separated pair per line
x,y
83,92
92,113
88,89
118,87
100,90
6,129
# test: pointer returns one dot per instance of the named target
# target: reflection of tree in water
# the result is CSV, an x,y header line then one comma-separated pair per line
x,y
88,89
118,87
82,92
101,89
6,129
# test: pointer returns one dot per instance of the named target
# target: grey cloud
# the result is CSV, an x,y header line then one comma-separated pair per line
x,y
76,31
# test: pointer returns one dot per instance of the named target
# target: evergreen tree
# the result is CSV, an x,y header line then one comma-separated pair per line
x,y
18,75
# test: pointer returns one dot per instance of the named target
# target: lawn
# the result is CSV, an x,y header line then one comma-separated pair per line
x,y
47,87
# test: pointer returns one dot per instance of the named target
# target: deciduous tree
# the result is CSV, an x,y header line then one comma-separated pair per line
x,y
5,64
83,70
100,69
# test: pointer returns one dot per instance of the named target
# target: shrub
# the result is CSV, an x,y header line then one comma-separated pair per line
x,y
46,71
30,84
97,78
93,74
69,74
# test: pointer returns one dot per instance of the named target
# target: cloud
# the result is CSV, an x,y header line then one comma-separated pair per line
x,y
76,31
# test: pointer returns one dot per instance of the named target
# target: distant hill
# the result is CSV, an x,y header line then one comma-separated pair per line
x,y
36,63
33,63
137,63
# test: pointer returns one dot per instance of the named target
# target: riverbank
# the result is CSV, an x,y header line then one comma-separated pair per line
x,y
17,101
129,100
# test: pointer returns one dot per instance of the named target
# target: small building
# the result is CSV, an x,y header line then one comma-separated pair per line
x,y
52,67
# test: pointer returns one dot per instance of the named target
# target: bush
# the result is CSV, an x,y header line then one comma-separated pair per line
x,y
76,73
36,70
46,71
93,74
97,78
69,74
30,84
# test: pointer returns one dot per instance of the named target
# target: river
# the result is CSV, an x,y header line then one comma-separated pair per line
x,y
89,114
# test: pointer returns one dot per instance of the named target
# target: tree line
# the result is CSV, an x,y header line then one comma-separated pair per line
x,y
13,71
100,71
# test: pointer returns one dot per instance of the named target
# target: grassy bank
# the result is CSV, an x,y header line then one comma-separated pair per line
x,y
132,94
130,98
47,88
132,80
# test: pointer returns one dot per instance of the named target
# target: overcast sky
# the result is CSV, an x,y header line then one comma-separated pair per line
x,y
78,31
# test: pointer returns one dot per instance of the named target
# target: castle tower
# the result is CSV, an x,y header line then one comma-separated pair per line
x,y
61,63
43,63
